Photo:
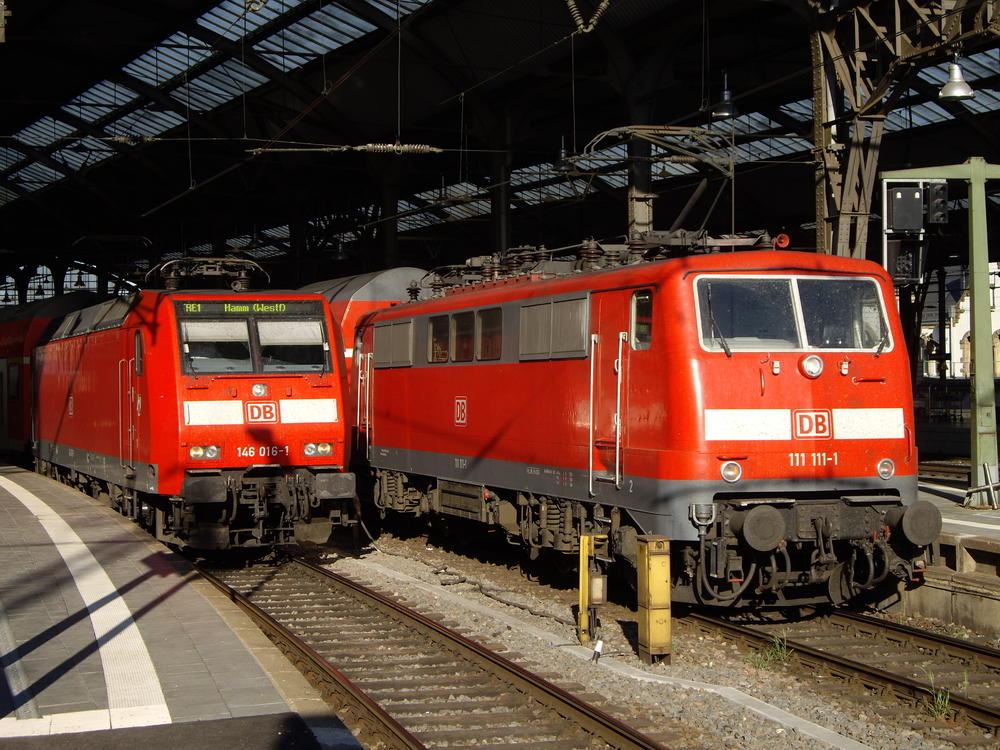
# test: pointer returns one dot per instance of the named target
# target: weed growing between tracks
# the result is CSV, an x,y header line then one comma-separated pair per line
x,y
774,653
939,703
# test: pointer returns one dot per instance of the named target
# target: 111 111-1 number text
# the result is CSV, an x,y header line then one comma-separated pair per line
x,y
802,459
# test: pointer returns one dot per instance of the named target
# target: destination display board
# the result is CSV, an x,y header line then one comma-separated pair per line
x,y
242,308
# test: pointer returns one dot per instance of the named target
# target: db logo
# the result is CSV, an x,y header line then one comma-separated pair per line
x,y
812,424
461,411
262,411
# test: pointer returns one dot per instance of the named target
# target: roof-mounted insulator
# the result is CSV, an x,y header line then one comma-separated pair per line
x,y
398,148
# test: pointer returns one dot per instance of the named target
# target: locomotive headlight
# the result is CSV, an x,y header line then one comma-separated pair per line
x,y
886,468
204,451
318,449
732,471
811,366
259,390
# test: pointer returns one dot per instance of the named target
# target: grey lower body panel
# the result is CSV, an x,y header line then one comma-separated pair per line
x,y
658,506
139,476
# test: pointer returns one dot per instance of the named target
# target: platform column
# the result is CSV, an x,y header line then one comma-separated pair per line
x,y
653,564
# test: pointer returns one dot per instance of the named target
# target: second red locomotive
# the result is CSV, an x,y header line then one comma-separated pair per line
x,y
754,407
215,419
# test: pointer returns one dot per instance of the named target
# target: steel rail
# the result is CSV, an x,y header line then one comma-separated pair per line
x,y
944,471
360,713
953,647
869,677
590,718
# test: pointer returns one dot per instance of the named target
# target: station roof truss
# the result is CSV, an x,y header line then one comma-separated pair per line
x,y
244,122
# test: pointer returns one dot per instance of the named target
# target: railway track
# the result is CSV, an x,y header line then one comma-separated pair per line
x,y
401,680
955,472
935,675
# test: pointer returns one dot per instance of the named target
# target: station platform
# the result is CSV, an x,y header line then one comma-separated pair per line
x,y
109,639
956,517
963,585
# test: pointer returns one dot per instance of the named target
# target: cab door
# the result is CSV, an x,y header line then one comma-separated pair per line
x,y
130,403
609,316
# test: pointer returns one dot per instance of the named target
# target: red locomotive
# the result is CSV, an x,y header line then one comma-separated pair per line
x,y
213,418
754,407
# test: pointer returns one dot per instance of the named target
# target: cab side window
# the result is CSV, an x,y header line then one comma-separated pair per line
x,y
641,327
489,334
138,366
463,335
438,339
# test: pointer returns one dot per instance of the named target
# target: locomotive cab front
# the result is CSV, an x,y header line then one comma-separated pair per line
x,y
803,394
262,452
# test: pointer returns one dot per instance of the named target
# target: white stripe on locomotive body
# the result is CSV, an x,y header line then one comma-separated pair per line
x,y
776,424
305,410
293,411
748,424
213,412
868,424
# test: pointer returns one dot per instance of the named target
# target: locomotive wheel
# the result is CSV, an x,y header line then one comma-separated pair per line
x,y
838,585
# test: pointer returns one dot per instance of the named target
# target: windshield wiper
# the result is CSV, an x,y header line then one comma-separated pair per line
x,y
883,342
715,326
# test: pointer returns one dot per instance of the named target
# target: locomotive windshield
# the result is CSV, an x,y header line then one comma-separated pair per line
x,y
743,313
245,337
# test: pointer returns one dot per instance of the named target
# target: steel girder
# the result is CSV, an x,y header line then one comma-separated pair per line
x,y
865,56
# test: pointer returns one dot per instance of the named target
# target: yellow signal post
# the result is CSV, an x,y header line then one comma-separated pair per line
x,y
653,565
593,586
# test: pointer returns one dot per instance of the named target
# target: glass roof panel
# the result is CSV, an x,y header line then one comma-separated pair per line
x,y
615,179
800,110
100,101
218,86
769,148
980,65
915,116
326,29
6,196
752,122
459,190
44,132
974,67
936,74
234,19
168,60
9,157
676,168
264,252
145,122
84,153
986,100
35,176
405,6
468,210
278,233
416,220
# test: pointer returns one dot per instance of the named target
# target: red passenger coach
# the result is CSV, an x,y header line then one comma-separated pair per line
x,y
214,419
754,407
21,329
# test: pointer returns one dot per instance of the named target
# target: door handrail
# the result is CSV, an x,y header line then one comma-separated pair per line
x,y
594,339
